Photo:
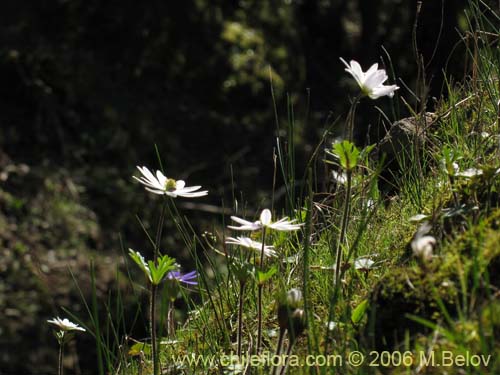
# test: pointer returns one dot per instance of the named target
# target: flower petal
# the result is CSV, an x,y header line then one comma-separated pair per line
x,y
265,217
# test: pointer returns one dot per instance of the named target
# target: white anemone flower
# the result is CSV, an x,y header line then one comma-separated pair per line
x,y
160,184
265,222
363,264
470,173
340,177
251,244
418,218
65,325
423,246
371,81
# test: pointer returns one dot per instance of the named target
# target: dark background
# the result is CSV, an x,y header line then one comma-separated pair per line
x,y
88,88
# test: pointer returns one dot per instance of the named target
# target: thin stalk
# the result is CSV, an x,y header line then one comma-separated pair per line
x,y
61,354
288,352
170,319
95,320
259,294
159,230
262,249
259,317
240,317
305,273
343,228
350,118
278,348
152,324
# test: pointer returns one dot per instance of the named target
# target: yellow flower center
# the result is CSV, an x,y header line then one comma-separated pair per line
x,y
170,184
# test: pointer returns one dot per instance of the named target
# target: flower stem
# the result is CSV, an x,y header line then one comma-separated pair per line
x,y
240,317
343,228
259,317
263,247
287,357
278,349
152,322
259,294
158,231
350,118
61,356
170,320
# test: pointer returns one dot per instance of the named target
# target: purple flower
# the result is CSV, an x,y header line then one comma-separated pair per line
x,y
188,278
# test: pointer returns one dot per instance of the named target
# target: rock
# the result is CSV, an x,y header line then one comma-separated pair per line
x,y
398,148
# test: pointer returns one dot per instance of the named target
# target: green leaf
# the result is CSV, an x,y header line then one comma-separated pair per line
x,y
347,153
366,152
262,276
159,271
139,348
359,311
139,260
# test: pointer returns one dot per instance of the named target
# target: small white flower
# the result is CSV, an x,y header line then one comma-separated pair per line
x,y
265,222
423,245
470,173
251,244
363,264
371,82
160,184
65,325
418,218
331,325
340,177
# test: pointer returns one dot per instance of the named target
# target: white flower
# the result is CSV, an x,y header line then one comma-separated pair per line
x,y
65,325
251,244
160,184
265,222
423,245
418,218
470,173
340,177
363,264
371,82
331,325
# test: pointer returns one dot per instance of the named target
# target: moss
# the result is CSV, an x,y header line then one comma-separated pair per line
x,y
468,267
409,291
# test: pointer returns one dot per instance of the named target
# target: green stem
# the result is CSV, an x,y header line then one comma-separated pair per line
x,y
259,317
170,319
350,118
61,356
159,230
343,228
240,317
263,247
152,322
305,273
259,294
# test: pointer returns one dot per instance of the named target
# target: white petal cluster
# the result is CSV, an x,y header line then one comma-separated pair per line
x,y
423,244
65,325
251,244
340,177
470,173
265,222
363,264
161,185
371,81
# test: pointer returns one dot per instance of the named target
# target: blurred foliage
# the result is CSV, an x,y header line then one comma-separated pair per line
x,y
89,87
